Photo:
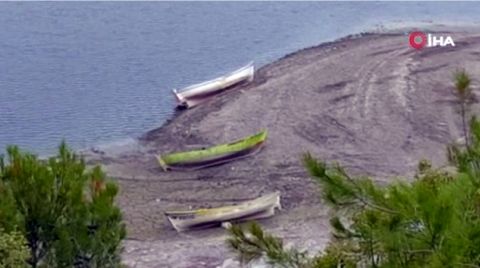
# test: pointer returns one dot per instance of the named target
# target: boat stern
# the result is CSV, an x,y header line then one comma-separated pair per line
x,y
278,204
252,73
182,102
175,224
162,163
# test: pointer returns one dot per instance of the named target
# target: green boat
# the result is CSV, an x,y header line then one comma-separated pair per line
x,y
212,156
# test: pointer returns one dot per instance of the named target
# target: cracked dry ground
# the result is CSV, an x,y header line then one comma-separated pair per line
x,y
371,103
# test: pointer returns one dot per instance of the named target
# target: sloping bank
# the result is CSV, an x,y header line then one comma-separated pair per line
x,y
369,102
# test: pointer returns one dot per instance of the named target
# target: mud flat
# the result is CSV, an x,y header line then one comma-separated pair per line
x,y
369,102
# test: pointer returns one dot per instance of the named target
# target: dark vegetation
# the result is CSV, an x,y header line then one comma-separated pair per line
x,y
431,220
57,213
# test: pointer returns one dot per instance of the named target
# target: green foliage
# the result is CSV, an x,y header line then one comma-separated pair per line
x,y
462,84
433,221
430,221
465,97
253,244
338,254
468,159
13,250
66,212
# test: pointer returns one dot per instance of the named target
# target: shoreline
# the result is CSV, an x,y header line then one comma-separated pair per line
x,y
324,45
399,31
371,103
385,30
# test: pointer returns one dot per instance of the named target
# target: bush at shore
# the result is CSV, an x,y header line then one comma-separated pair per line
x,y
61,211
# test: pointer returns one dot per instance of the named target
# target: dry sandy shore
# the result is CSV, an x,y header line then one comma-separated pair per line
x,y
369,102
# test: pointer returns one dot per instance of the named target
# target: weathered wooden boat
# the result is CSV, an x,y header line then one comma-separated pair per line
x,y
195,94
259,208
212,156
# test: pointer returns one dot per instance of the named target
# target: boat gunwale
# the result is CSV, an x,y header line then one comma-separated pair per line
x,y
249,213
226,149
215,162
217,79
264,198
267,212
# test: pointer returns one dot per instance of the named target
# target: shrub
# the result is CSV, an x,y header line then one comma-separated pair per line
x,y
13,250
66,212
432,220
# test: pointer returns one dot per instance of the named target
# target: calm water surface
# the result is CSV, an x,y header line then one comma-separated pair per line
x,y
101,73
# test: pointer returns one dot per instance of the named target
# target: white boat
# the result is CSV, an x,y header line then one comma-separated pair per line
x,y
261,207
194,94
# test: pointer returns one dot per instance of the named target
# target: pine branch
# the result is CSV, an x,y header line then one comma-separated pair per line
x,y
253,244
337,184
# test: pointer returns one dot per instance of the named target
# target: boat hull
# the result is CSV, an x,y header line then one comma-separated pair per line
x,y
215,161
225,155
195,94
259,208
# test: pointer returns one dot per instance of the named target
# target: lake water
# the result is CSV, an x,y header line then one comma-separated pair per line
x,y
101,73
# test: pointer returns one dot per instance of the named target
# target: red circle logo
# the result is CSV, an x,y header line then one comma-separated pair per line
x,y
418,40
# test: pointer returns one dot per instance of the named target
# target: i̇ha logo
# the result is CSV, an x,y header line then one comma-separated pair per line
x,y
419,40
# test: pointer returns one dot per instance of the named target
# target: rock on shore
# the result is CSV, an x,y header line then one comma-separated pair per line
x,y
369,102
